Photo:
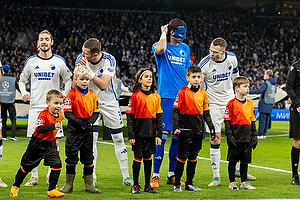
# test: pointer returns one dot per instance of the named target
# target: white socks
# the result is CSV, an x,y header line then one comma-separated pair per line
x,y
95,152
34,173
121,153
215,156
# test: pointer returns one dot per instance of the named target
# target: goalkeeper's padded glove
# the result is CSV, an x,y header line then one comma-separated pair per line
x,y
253,142
231,141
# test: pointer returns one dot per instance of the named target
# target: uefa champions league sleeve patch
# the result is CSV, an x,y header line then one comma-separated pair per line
x,y
39,122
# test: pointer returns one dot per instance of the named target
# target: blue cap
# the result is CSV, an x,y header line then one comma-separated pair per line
x,y
6,68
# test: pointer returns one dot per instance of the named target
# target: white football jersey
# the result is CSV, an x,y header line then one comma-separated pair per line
x,y
44,74
218,79
107,66
108,100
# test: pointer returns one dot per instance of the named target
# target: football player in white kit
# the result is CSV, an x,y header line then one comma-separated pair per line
x,y
45,71
103,69
219,68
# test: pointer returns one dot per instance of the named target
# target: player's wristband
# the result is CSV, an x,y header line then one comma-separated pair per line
x,y
92,74
163,36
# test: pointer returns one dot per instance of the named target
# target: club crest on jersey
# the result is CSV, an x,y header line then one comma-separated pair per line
x,y
67,103
229,67
52,67
214,70
182,52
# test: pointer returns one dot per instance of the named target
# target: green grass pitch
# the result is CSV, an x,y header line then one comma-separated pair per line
x,y
270,165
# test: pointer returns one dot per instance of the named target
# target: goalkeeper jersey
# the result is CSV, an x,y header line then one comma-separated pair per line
x,y
81,105
191,105
45,75
144,108
241,115
218,79
171,67
46,118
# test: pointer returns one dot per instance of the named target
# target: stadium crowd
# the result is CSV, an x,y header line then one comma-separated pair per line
x,y
260,42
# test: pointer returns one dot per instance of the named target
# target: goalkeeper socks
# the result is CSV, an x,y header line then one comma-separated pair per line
x,y
179,167
190,171
173,153
121,153
88,169
159,155
295,160
231,171
70,169
147,169
53,179
243,170
21,174
136,166
215,155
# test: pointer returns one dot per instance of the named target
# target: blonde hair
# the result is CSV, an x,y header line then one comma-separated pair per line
x,y
269,73
240,81
54,93
82,70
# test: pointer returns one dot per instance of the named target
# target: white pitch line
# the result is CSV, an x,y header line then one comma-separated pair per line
x,y
223,161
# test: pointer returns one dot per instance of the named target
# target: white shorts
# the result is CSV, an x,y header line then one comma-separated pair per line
x,y
112,117
217,116
32,117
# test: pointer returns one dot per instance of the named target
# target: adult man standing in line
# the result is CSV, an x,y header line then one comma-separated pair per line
x,y
7,99
293,90
45,71
103,69
266,102
172,59
219,68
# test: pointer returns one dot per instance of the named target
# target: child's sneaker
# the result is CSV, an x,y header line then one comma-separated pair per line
x,y
32,181
155,182
171,180
192,188
233,185
149,189
177,188
249,177
2,184
14,191
295,180
246,185
135,189
127,182
215,182
55,194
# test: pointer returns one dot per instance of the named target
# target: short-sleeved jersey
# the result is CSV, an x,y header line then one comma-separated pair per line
x,y
191,105
44,74
144,108
171,67
46,118
240,116
107,66
218,79
81,105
